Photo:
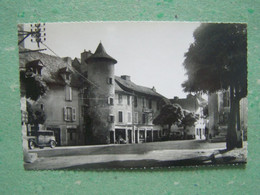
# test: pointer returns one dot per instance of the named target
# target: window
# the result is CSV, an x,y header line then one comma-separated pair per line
x,y
68,93
129,118
135,101
42,107
120,116
110,80
69,114
120,98
110,101
150,104
111,118
128,100
136,117
144,118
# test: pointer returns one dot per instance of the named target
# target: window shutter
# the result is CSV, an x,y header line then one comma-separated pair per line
x,y
68,93
65,114
73,114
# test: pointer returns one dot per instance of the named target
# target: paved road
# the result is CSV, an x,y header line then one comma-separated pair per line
x,y
156,154
127,148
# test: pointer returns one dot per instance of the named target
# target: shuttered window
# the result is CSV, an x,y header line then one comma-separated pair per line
x,y
69,114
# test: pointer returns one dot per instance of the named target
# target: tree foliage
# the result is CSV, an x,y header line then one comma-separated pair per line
x,y
35,86
36,115
217,59
170,114
189,119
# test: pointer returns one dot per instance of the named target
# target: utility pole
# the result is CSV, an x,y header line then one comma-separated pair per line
x,y
37,34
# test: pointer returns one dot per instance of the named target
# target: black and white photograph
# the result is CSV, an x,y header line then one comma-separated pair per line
x,y
107,95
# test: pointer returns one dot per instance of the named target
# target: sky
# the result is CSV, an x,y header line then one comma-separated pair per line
x,y
152,53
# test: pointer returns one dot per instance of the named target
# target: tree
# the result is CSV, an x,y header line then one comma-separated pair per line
x,y
36,115
188,120
34,84
217,60
170,114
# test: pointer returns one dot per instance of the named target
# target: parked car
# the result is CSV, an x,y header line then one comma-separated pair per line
x,y
177,135
42,139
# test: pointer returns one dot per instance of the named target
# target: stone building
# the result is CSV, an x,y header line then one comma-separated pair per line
x,y
61,102
135,109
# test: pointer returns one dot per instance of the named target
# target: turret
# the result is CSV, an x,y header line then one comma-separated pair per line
x,y
100,71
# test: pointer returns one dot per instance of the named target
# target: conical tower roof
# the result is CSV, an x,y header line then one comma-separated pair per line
x,y
100,53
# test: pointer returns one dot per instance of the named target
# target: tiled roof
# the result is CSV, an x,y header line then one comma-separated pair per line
x,y
52,66
131,87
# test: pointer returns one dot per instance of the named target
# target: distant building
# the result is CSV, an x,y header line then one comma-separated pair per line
x,y
219,109
193,104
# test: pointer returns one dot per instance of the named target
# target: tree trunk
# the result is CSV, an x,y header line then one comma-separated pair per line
x,y
231,132
169,130
239,131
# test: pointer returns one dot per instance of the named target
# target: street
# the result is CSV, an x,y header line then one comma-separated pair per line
x,y
166,153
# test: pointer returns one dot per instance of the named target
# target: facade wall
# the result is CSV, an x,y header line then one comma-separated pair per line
x,y
144,129
54,104
123,107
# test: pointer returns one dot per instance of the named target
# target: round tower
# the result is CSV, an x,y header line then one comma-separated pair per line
x,y
100,95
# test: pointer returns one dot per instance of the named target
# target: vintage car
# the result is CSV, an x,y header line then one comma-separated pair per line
x,y
42,139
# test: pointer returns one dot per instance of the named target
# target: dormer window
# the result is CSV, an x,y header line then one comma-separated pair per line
x,y
65,73
34,67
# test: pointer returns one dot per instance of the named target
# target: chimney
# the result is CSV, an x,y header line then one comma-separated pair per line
x,y
175,98
126,77
154,89
84,55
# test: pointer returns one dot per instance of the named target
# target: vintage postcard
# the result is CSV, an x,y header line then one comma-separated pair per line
x,y
133,94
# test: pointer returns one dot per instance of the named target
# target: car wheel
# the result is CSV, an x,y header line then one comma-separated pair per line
x,y
52,144
31,144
